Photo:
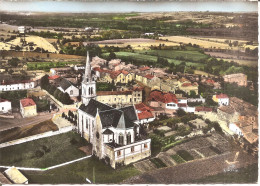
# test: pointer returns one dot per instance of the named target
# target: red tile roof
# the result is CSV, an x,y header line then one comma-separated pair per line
x,y
27,102
144,68
221,96
182,105
137,88
114,74
53,77
149,76
143,107
15,82
204,109
125,72
186,84
210,81
162,97
145,115
3,100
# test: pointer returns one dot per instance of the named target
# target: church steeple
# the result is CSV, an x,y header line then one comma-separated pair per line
x,y
87,76
88,84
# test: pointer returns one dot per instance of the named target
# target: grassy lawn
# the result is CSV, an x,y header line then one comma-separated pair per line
x,y
44,152
79,171
186,54
178,159
158,163
243,175
185,155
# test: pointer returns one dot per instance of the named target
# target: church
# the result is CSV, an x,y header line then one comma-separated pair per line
x,y
115,134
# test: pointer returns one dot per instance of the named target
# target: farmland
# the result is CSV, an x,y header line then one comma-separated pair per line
x,y
48,65
173,54
201,43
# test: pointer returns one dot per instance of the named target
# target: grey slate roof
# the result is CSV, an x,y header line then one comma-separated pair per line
x,y
109,116
64,84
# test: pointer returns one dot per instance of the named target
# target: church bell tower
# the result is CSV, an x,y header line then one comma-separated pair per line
x,y
88,84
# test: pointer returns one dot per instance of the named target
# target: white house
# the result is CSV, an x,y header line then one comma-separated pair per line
x,y
70,88
5,106
221,99
112,132
11,86
234,128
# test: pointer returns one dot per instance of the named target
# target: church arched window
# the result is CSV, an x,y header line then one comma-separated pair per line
x,y
89,91
71,92
128,138
121,139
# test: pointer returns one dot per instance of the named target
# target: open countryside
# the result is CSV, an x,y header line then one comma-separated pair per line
x,y
128,98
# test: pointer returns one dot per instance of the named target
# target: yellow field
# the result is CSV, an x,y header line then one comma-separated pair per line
x,y
201,43
38,41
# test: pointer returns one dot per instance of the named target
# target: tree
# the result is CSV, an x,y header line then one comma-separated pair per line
x,y
112,55
66,99
44,82
181,112
17,48
56,93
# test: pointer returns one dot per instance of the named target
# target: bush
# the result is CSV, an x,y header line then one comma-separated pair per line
x,y
159,132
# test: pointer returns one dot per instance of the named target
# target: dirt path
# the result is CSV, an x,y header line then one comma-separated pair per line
x,y
185,173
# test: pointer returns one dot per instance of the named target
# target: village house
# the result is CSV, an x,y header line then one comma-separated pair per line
x,y
144,113
211,83
5,106
68,87
240,79
15,176
120,98
221,99
186,86
15,85
121,76
28,107
169,85
113,133
242,118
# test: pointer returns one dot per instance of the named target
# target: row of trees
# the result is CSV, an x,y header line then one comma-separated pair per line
x,y
58,94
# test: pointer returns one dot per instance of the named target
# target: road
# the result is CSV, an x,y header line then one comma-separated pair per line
x,y
6,123
196,169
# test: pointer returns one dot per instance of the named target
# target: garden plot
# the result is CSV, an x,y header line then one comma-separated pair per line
x,y
166,159
207,152
145,166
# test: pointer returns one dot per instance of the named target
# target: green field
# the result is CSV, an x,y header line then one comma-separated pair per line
x,y
158,163
194,55
44,152
48,65
151,58
77,173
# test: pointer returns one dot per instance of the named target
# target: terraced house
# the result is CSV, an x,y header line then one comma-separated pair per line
x,y
121,76
113,133
120,98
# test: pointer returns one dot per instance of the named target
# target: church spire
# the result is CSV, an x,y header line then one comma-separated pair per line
x,y
87,69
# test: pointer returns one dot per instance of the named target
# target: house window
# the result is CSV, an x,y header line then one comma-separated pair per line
x,y
132,149
130,99
119,153
2,108
86,123
121,139
145,145
128,139
71,92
